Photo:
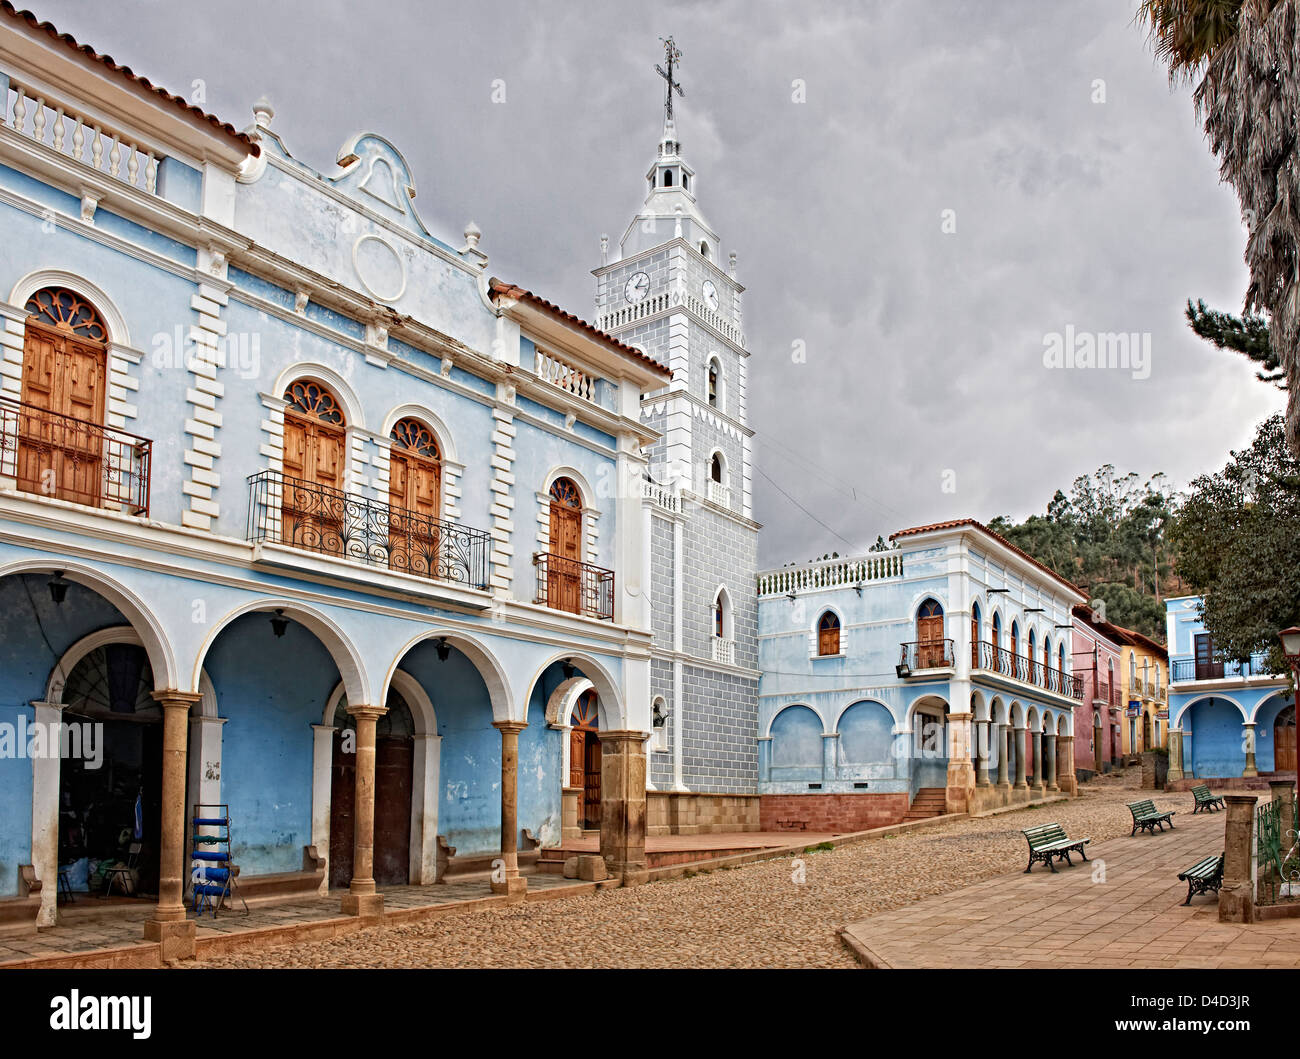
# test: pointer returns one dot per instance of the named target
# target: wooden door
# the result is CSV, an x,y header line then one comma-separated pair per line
x,y
66,377
394,757
1206,667
343,790
591,783
315,441
1284,750
929,635
577,759
975,641
415,499
828,635
564,569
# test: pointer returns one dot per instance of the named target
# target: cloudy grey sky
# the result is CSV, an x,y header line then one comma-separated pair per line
x,y
924,394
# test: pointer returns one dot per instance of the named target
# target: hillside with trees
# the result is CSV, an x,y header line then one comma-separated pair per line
x,y
1107,535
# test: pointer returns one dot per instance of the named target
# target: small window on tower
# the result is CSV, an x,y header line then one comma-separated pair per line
x,y
668,178
686,181
713,386
704,247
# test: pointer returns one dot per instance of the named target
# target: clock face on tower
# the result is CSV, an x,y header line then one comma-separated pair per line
x,y
710,293
637,287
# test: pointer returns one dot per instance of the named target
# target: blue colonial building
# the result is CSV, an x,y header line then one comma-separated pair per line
x,y
933,676
1227,720
315,518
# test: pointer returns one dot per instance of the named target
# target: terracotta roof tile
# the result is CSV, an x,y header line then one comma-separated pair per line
x,y
8,9
511,290
975,524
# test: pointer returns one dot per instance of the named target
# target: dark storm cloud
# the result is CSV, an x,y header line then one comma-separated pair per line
x,y
924,394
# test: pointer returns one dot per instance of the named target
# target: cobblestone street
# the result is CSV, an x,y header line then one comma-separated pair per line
x,y
752,916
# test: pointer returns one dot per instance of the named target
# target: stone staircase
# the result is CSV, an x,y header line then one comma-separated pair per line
x,y
929,801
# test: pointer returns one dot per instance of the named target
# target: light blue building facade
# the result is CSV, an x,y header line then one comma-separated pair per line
x,y
1226,719
942,665
277,463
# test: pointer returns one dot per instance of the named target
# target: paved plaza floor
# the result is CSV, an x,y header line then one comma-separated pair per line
x,y
1124,909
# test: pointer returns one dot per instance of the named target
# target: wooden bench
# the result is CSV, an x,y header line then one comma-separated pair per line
x,y
1147,817
1202,877
1048,841
1204,799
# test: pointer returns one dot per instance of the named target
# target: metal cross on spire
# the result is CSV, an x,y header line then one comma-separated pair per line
x,y
672,56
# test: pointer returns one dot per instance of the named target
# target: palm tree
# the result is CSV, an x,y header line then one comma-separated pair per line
x,y
1246,54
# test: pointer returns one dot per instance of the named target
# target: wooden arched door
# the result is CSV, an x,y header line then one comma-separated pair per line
x,y
65,376
929,635
564,569
415,499
584,759
394,759
315,456
1284,752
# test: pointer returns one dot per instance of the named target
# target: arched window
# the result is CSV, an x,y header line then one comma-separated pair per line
x,y
564,567
713,384
668,178
828,634
686,181
315,462
723,629
717,470
65,378
1030,644
974,635
1015,638
704,247
415,498
1047,652
997,630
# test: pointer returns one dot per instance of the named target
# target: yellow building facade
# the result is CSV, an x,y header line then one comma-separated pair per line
x,y
1144,671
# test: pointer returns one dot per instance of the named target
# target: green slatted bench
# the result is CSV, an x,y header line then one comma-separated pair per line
x,y
1202,877
1147,817
1204,799
1050,840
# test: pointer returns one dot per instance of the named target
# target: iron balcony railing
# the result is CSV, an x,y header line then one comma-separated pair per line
x,y
317,518
1006,663
928,654
1109,693
573,586
1184,669
72,459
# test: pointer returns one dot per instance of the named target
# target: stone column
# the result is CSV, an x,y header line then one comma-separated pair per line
x,y
1175,755
46,771
361,898
1018,741
1065,777
1037,779
1280,791
622,804
981,753
168,925
1049,755
507,879
1004,735
1237,895
1249,740
961,772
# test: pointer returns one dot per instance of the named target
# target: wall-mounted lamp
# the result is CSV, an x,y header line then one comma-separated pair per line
x,y
443,648
58,587
995,591
903,670
279,623
566,667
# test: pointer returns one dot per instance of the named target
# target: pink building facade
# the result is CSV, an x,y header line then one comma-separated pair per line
x,y
1097,720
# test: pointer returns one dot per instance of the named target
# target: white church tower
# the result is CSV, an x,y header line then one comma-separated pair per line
x,y
668,293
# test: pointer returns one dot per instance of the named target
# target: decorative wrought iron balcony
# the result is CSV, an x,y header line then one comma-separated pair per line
x,y
1002,661
315,518
72,459
927,654
579,588
1185,669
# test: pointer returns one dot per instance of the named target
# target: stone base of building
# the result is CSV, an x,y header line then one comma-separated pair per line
x,y
985,799
831,812
687,813
1230,783
176,940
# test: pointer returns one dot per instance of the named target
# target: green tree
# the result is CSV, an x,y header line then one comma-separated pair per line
x,y
1246,334
1107,536
1237,543
1244,58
